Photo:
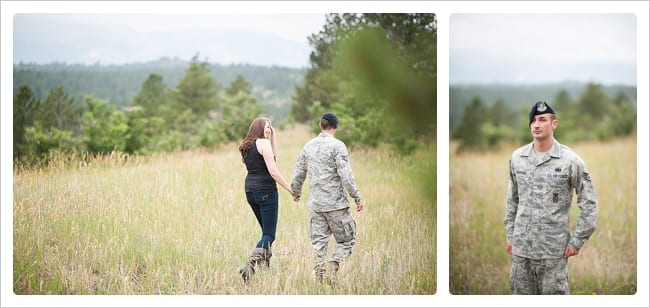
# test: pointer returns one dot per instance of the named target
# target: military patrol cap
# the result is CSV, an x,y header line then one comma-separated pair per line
x,y
540,107
330,117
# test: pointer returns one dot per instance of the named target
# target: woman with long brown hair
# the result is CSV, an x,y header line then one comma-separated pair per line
x,y
259,153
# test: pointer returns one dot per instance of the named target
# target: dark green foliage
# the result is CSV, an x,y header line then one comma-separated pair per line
x,y
518,96
143,131
152,95
197,113
42,127
239,85
624,116
594,116
236,115
565,109
40,143
104,128
25,109
272,86
59,111
197,90
377,72
474,116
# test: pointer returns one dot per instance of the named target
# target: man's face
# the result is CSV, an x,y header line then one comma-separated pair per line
x,y
542,126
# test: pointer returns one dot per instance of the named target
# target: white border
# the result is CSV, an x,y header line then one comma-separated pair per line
x,y
442,9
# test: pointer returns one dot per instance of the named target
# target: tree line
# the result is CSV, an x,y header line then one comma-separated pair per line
x,y
593,115
377,72
199,111
514,95
118,84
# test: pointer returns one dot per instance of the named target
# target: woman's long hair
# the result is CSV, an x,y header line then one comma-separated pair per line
x,y
255,131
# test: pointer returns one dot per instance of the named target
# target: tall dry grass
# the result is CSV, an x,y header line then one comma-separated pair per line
x,y
179,224
478,262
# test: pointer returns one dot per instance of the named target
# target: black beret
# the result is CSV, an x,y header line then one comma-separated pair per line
x,y
330,117
540,107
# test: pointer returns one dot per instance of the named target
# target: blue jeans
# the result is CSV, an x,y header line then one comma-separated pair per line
x,y
265,208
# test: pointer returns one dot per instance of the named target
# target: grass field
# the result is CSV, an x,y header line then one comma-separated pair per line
x,y
179,224
478,262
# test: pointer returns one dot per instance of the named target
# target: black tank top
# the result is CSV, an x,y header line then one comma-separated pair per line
x,y
258,178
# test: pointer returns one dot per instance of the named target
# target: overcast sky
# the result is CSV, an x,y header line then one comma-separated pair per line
x,y
261,39
295,27
534,48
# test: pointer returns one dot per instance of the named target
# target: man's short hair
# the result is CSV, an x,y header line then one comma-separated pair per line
x,y
324,124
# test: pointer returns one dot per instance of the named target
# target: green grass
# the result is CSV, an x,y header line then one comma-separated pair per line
x,y
478,262
179,224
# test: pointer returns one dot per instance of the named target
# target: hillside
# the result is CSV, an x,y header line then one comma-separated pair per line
x,y
118,84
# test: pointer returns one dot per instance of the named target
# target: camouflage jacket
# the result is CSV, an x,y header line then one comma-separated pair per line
x,y
325,159
539,199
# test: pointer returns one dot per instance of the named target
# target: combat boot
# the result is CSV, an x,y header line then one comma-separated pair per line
x,y
319,272
332,269
255,258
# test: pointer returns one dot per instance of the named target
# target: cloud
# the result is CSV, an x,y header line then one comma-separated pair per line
x,y
543,47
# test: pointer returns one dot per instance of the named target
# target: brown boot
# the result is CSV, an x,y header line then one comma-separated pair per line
x,y
255,258
319,272
332,269
267,257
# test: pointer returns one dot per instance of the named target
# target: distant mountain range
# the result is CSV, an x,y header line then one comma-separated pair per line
x,y
116,44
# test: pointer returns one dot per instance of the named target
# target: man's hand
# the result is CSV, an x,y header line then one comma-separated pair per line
x,y
359,207
509,248
570,251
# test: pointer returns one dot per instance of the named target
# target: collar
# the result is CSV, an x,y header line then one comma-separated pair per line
x,y
554,151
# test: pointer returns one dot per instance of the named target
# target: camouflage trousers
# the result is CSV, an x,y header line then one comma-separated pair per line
x,y
539,277
338,223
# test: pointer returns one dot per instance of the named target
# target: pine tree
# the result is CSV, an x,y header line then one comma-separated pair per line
x,y
152,95
469,130
25,109
198,91
59,111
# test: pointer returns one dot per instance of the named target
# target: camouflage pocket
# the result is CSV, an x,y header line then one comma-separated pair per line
x,y
349,228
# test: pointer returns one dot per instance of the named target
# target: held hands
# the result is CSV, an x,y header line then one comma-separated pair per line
x,y
295,198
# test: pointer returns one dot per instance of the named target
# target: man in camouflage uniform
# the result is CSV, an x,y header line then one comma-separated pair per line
x,y
325,159
543,176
